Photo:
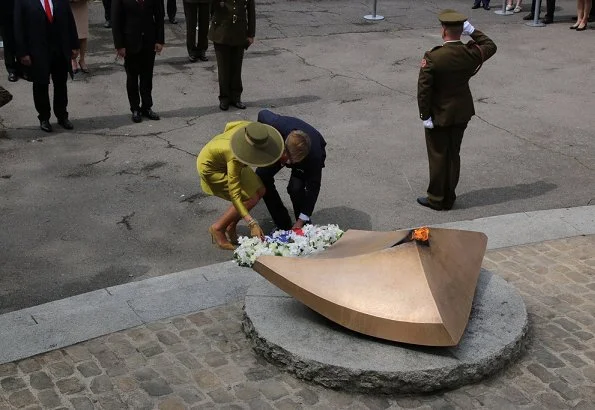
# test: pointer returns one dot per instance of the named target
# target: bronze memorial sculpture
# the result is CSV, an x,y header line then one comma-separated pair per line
x,y
406,286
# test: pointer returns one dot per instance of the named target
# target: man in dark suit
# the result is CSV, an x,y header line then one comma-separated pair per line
x,y
46,40
172,9
446,104
107,12
197,11
305,155
137,26
7,29
549,11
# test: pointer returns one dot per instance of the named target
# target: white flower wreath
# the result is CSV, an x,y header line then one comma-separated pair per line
x,y
300,242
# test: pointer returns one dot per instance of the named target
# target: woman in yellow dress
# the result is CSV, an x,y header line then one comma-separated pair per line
x,y
224,168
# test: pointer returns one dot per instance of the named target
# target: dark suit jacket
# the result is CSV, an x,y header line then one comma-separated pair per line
x,y
31,29
232,23
136,26
443,87
310,169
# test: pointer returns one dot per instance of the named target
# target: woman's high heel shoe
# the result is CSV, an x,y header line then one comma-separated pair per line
x,y
223,245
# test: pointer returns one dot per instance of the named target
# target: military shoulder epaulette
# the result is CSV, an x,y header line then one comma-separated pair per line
x,y
435,48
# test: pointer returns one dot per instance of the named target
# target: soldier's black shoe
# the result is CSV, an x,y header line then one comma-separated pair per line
x,y
192,58
12,77
45,125
66,124
528,17
548,20
486,7
224,106
239,104
475,6
173,20
107,24
202,56
150,114
424,201
136,117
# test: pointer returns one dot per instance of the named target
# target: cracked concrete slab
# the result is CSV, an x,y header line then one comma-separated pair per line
x,y
529,148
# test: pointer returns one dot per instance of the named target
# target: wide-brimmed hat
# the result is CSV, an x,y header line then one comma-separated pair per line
x,y
257,145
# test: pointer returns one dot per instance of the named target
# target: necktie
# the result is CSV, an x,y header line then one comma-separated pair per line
x,y
48,11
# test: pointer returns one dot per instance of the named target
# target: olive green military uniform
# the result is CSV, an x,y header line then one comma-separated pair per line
x,y
444,96
232,23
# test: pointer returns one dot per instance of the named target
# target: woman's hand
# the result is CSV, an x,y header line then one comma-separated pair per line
x,y
255,229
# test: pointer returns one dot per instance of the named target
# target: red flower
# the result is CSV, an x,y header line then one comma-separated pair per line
x,y
298,231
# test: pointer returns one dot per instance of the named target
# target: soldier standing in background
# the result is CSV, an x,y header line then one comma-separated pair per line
x,y
232,31
446,104
197,11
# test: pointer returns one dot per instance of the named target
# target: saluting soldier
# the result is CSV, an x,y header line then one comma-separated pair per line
x,y
233,25
445,102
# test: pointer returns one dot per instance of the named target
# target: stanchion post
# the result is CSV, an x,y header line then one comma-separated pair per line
x,y
504,12
536,22
374,16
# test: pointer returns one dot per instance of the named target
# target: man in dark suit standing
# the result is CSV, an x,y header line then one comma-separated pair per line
x,y
172,9
549,11
107,12
7,29
197,11
46,40
305,155
446,104
138,31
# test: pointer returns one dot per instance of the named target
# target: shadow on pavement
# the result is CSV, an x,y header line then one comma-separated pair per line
x,y
497,195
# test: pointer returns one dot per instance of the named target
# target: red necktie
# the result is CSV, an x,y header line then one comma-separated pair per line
x,y
48,11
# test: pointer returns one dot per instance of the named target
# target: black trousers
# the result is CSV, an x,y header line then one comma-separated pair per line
x,y
549,8
296,188
41,95
107,9
444,145
229,67
172,9
139,78
10,55
196,12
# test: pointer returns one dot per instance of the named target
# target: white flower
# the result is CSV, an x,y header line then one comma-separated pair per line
x,y
287,243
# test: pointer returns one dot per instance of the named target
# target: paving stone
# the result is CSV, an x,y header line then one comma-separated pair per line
x,y
60,369
273,389
575,344
40,381
189,333
215,359
188,360
21,399
190,395
101,384
552,401
206,380
50,357
145,374
172,403
375,403
564,391
547,359
70,386
259,404
200,319
574,360
589,373
409,402
49,399
461,400
122,348
175,375
246,393
88,369
12,383
257,374
167,338
220,396
29,365
156,387
287,404
583,335
77,353
308,396
151,349
8,369
112,402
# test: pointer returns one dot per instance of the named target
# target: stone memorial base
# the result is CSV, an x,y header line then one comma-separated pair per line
x,y
304,343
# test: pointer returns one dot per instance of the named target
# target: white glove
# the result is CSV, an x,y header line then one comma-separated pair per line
x,y
468,29
428,123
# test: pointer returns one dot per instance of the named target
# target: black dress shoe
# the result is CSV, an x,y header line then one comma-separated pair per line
x,y
12,77
548,20
192,59
239,104
173,20
202,56
136,117
107,24
45,125
475,6
66,124
486,7
424,201
529,17
224,106
150,114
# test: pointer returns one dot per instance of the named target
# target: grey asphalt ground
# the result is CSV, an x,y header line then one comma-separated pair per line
x,y
114,202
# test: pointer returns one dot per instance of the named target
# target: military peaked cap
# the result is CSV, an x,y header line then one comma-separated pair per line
x,y
451,17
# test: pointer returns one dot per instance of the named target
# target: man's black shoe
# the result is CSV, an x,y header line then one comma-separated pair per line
x,y
424,201
192,58
202,56
150,114
107,24
136,117
548,20
45,125
239,104
224,106
173,20
486,7
12,77
66,124
475,6
529,17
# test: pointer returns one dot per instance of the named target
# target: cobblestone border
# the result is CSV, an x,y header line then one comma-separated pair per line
x,y
381,382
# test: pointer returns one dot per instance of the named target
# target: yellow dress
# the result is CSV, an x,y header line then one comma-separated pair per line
x,y
222,175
